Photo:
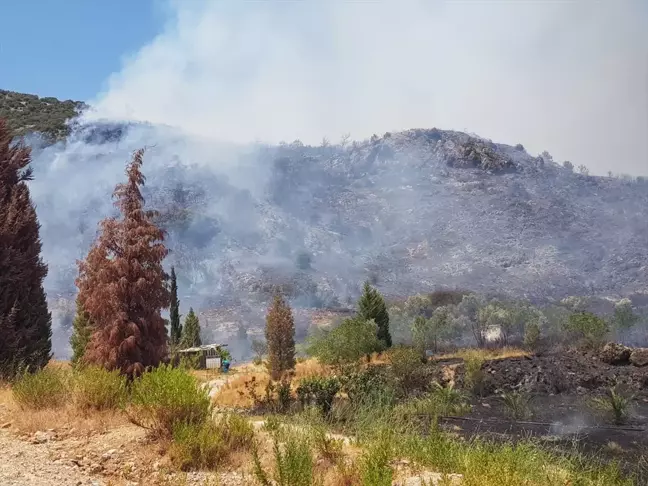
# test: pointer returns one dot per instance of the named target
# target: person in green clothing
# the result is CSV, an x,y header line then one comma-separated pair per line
x,y
225,365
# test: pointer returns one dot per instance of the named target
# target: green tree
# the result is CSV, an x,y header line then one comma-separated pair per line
x,y
191,331
589,327
346,343
371,306
428,332
25,322
175,332
624,315
280,336
81,333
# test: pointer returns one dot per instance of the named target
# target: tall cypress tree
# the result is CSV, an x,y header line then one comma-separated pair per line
x,y
372,306
191,331
280,336
25,322
123,286
81,333
175,332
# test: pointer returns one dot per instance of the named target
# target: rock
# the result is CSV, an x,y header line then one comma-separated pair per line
x,y
615,354
639,357
41,437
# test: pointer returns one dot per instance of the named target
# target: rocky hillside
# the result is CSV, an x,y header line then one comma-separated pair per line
x,y
412,211
30,113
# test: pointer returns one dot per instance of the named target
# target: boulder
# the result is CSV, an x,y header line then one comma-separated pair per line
x,y
639,357
615,354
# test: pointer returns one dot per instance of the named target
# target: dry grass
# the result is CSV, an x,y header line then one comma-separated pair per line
x,y
485,354
233,393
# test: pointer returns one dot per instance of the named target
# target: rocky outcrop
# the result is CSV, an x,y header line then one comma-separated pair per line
x,y
615,354
639,357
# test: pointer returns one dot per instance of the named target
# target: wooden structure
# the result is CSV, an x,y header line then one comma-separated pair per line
x,y
207,356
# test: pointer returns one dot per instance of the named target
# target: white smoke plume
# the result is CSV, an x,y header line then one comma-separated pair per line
x,y
570,77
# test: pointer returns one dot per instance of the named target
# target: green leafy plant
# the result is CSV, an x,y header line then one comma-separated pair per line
x,y
319,391
46,388
517,404
614,404
99,389
167,396
294,464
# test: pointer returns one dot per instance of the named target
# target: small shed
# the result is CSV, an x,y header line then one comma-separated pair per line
x,y
207,356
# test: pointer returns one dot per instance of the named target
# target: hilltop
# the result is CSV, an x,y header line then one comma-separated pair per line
x,y
29,113
411,211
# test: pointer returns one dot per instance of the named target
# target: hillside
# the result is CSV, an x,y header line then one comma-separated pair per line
x,y
30,113
411,211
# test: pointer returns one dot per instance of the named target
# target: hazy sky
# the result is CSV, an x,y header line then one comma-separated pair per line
x,y
570,77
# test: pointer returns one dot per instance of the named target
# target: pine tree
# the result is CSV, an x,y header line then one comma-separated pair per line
x,y
122,285
175,331
25,322
191,331
81,333
372,306
280,336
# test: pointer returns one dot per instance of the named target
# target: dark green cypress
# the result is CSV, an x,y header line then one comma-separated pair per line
x,y
191,331
81,333
175,333
372,306
25,322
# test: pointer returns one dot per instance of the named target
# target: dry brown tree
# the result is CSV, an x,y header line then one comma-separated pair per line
x,y
280,336
25,322
122,284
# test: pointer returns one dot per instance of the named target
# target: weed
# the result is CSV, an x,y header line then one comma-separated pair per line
x,y
475,376
208,445
326,446
276,398
449,400
98,389
375,468
614,404
518,405
165,397
293,464
46,388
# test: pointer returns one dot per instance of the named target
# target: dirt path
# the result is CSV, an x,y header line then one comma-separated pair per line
x,y
28,464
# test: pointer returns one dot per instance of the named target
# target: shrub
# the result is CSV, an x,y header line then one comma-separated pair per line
x,y
46,388
518,405
293,464
365,384
588,327
280,336
449,400
531,335
99,389
319,391
207,445
375,468
614,404
328,447
277,396
408,370
165,397
346,343
474,377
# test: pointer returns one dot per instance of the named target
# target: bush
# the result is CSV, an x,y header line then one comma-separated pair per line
x,y
207,445
47,388
408,370
99,389
165,397
347,343
294,464
319,391
614,404
531,335
590,328
475,376
362,386
277,395
375,468
328,447
518,405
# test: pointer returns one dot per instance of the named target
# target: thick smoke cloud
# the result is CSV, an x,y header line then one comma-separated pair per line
x,y
564,77
567,77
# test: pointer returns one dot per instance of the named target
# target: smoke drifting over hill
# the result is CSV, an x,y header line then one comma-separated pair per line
x,y
565,77
568,77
